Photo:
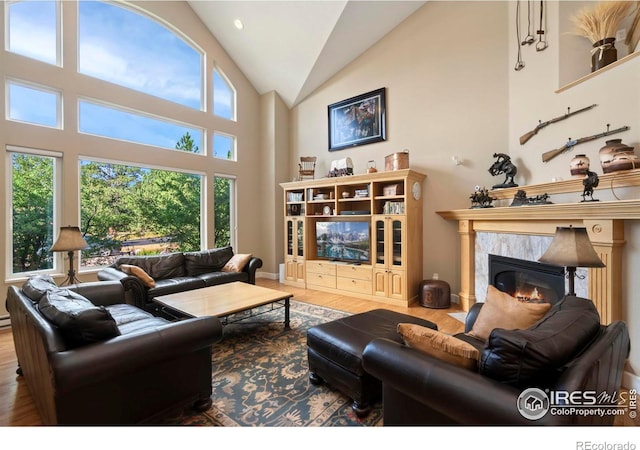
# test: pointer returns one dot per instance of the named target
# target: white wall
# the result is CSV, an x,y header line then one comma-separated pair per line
x,y
445,75
532,97
452,90
73,145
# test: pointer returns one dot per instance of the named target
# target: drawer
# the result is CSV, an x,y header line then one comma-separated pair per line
x,y
354,285
323,267
357,272
320,279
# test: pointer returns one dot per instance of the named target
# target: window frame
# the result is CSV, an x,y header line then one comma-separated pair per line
x,y
203,183
36,87
136,9
233,207
234,143
58,259
58,19
142,114
232,88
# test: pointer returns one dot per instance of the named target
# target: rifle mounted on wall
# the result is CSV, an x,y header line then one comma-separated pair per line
x,y
548,156
525,137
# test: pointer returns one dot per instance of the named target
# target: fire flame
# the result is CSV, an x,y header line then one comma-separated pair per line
x,y
533,295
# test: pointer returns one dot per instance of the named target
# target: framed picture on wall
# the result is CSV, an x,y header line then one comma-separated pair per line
x,y
357,120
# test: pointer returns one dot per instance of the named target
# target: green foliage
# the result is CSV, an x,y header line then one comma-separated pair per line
x,y
32,212
222,196
117,203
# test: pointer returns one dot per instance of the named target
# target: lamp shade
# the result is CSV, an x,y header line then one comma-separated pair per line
x,y
69,239
571,247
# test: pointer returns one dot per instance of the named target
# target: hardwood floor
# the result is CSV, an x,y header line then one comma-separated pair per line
x,y
17,407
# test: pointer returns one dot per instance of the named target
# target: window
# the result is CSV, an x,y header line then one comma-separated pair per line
x,y
224,97
33,30
127,48
224,146
131,126
32,182
136,210
35,105
224,211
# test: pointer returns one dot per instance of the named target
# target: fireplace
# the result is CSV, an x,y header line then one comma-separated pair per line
x,y
527,280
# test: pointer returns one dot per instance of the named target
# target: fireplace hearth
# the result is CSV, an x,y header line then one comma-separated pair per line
x,y
527,280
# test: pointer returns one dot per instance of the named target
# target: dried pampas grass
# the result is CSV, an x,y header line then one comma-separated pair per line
x,y
602,20
633,36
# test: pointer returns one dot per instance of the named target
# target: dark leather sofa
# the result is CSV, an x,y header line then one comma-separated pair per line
x,y
178,272
150,366
568,350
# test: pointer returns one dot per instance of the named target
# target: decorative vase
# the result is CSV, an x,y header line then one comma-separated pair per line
x,y
579,165
603,53
616,156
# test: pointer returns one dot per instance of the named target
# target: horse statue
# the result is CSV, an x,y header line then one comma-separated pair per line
x,y
590,182
503,165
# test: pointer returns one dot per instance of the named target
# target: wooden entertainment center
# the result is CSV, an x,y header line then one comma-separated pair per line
x,y
389,202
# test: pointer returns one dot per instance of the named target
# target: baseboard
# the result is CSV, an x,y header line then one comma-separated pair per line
x,y
267,275
5,322
630,381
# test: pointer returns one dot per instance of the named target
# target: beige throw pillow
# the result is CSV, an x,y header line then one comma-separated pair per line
x,y
500,310
137,272
237,263
439,345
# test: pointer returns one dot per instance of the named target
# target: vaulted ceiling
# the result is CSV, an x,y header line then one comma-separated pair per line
x,y
293,47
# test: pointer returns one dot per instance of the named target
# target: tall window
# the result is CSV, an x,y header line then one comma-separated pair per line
x,y
129,126
33,104
32,182
224,211
224,146
33,30
136,210
224,97
127,48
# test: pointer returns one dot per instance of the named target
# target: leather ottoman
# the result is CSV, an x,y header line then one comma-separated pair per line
x,y
335,349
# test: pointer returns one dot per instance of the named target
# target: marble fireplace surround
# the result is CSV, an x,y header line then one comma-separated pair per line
x,y
525,232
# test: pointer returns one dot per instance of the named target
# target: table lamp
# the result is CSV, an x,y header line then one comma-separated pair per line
x,y
69,240
571,248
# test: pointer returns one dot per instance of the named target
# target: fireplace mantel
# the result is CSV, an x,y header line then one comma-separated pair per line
x,y
603,220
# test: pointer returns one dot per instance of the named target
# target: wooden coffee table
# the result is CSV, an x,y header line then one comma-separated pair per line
x,y
223,300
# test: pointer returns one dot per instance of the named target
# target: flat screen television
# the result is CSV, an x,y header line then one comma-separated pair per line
x,y
347,241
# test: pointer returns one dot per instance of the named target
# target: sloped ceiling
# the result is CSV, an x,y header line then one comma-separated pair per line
x,y
293,47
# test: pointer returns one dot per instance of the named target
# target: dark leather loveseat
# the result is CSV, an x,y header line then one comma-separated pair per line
x,y
178,272
566,351
90,359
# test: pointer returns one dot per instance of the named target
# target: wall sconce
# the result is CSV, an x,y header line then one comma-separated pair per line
x,y
571,248
69,240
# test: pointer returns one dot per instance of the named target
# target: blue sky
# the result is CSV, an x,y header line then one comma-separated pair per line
x,y
122,47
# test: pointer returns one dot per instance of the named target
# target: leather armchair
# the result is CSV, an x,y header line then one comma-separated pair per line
x,y
154,365
421,390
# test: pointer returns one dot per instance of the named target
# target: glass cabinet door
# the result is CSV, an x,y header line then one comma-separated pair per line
x,y
300,237
396,241
290,241
380,234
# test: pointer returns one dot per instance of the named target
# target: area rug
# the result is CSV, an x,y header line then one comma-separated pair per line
x,y
260,376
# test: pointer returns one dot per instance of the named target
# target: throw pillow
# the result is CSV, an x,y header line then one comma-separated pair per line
x,y
535,357
137,272
79,321
439,345
38,285
207,261
159,267
500,310
237,262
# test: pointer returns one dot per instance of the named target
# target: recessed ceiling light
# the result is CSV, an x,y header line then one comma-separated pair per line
x,y
238,24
